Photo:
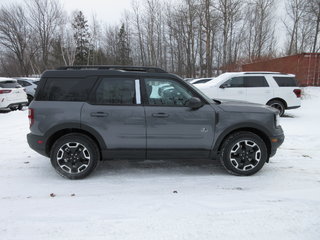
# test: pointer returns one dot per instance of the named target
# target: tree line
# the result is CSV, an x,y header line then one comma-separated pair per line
x,y
189,37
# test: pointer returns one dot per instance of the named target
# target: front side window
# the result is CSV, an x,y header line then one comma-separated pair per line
x,y
24,83
167,92
114,91
234,82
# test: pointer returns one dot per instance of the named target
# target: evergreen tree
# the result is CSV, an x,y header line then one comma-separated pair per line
x,y
123,49
82,39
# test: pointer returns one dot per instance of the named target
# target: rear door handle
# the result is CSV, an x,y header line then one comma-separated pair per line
x,y
160,115
99,114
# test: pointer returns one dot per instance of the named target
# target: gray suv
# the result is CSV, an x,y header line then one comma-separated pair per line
x,y
84,114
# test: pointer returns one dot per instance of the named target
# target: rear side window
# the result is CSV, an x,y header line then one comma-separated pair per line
x,y
255,81
66,89
9,84
115,91
286,81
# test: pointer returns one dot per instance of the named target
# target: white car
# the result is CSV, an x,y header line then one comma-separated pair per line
x,y
200,80
30,84
274,89
12,95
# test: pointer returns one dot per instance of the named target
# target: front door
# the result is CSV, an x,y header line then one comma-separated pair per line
x,y
116,113
174,130
233,88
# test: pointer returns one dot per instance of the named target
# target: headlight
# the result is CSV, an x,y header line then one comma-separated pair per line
x,y
277,120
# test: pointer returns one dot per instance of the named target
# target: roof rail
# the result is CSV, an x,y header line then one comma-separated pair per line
x,y
257,72
113,67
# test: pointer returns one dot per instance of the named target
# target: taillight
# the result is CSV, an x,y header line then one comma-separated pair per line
x,y
5,91
31,116
297,92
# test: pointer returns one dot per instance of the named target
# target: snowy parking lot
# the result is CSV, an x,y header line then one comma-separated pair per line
x,y
163,199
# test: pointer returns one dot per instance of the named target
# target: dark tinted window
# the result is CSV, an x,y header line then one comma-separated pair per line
x,y
66,89
115,91
24,83
235,82
9,84
256,81
286,81
203,80
36,82
167,92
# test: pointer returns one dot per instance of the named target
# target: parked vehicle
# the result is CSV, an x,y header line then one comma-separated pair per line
x,y
188,79
81,115
277,90
12,95
30,84
201,80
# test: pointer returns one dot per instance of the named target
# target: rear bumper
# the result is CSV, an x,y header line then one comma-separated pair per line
x,y
14,105
37,143
293,107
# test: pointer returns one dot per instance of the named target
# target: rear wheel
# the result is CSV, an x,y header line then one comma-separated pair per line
x,y
30,98
74,156
277,105
243,153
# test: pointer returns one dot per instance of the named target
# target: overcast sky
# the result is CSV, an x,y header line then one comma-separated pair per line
x,y
107,11
111,11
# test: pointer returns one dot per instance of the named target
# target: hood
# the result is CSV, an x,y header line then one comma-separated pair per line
x,y
243,106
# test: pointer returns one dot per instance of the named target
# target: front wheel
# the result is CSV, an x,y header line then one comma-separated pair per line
x,y
243,153
74,156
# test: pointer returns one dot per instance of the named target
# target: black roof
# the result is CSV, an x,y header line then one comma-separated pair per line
x,y
114,67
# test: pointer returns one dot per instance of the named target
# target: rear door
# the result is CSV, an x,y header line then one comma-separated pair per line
x,y
174,130
115,112
258,89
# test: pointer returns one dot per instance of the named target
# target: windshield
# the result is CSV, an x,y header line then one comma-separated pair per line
x,y
9,84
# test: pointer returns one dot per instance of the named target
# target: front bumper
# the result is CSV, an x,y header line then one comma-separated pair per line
x,y
37,143
276,142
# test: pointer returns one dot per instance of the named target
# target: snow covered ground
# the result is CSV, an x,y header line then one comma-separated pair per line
x,y
162,199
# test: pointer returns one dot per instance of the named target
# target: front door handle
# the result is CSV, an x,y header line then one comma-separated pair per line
x,y
99,114
160,115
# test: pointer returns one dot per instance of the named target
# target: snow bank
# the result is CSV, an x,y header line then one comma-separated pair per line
x,y
162,199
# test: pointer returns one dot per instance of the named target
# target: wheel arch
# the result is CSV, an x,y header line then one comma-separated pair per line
x,y
262,134
59,132
278,99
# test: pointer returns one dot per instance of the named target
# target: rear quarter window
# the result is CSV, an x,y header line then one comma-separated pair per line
x,y
286,81
66,89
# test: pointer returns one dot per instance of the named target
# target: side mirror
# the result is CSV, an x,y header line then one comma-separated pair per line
x,y
194,103
225,85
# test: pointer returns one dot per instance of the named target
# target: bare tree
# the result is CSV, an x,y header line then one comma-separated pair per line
x,y
259,40
15,36
45,16
313,11
296,13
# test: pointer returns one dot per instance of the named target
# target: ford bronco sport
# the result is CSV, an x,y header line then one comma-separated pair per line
x,y
84,114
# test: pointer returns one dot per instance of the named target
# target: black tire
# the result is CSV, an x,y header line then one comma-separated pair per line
x,y
243,153
30,98
277,104
74,156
